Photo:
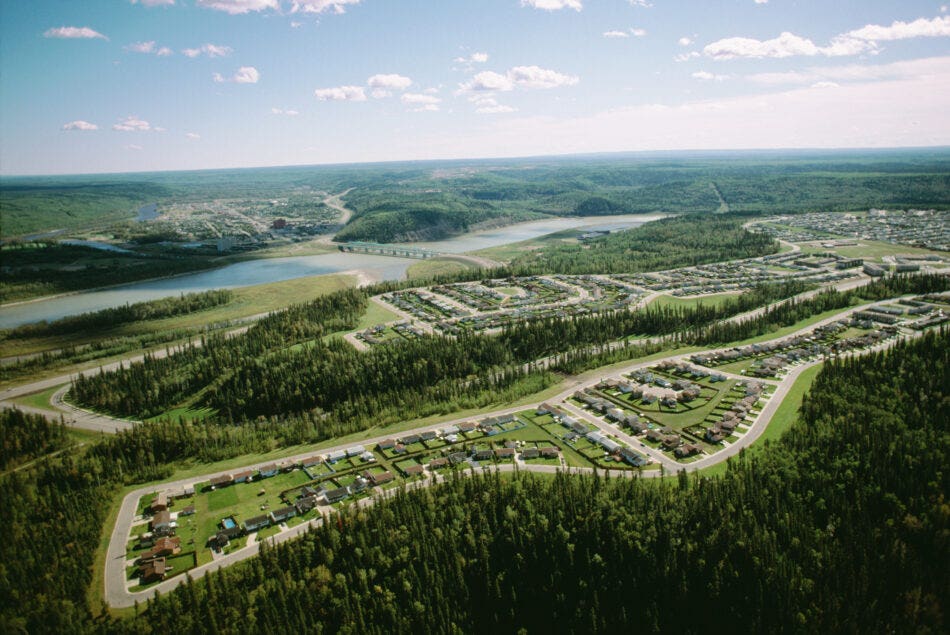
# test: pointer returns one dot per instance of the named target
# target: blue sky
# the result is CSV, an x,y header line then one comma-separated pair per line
x,y
120,85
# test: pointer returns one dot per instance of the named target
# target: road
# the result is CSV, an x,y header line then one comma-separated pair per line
x,y
117,595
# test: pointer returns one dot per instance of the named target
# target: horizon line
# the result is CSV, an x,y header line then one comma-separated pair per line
x,y
605,154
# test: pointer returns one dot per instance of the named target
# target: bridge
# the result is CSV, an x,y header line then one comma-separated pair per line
x,y
399,251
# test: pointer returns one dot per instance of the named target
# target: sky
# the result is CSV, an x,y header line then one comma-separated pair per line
x,y
146,85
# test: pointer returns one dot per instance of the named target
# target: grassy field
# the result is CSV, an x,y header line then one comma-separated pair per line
x,y
248,301
714,300
37,399
507,253
436,267
870,249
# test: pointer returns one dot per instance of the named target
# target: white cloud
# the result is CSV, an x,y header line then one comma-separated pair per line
x,y
385,83
419,98
517,77
211,50
536,77
489,106
474,58
247,75
825,85
281,111
244,75
863,40
684,41
320,6
937,27
133,124
141,47
553,5
153,3
134,147
164,52
706,76
74,32
295,25
79,124
638,32
615,34
235,7
192,135
640,3
685,57
761,1
341,93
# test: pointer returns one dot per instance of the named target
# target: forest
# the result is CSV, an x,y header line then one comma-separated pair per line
x,y
677,241
425,200
268,375
839,526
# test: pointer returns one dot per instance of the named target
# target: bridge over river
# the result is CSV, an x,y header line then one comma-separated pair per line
x,y
379,249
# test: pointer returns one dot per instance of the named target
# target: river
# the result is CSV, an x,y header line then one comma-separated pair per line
x,y
266,270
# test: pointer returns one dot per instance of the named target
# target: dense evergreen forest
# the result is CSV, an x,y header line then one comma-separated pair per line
x,y
664,244
117,316
267,375
839,527
24,436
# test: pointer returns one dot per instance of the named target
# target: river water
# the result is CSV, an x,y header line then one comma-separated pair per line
x,y
266,270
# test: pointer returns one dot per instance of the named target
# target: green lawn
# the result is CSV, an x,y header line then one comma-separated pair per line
x,y
436,267
37,399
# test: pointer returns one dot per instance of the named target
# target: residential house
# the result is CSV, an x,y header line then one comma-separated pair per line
x,y
468,426
269,470
336,455
356,450
244,477
410,439
165,546
550,452
305,504
505,453
438,463
530,453
386,444
399,448
450,430
160,503
686,450
335,495
633,458
153,570
379,478
714,435
187,511
485,454
457,457
161,524
256,523
311,461
413,470
220,481
428,435
282,514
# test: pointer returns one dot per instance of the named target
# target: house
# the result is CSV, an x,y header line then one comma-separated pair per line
x,y
686,450
153,570
468,426
485,454
578,427
336,455
386,444
399,448
358,485
436,464
160,503
428,435
165,546
530,453
671,441
410,439
380,477
637,427
610,445
311,461
305,504
669,402
457,457
243,477
356,450
161,524
633,458
257,522
187,511
336,495
714,435
616,414
549,452
654,435
544,409
594,436
450,430
413,470
269,470
505,453
282,514
648,399
220,481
